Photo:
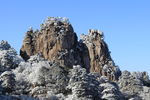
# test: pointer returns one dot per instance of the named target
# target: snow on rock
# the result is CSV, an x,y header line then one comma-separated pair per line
x,y
58,67
96,49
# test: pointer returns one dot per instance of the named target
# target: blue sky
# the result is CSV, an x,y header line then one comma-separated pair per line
x,y
125,23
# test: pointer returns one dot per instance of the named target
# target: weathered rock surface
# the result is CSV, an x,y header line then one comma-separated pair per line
x,y
97,54
57,41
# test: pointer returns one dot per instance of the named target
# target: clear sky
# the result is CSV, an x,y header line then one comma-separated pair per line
x,y
125,23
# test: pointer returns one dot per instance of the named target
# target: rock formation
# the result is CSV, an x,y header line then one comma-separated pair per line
x,y
99,55
57,42
56,66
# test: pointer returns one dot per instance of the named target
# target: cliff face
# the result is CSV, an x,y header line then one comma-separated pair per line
x,y
57,41
99,55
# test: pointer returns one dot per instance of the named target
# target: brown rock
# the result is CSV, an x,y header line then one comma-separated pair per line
x,y
99,55
56,41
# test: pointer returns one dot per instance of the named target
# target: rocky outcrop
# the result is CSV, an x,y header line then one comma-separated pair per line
x,y
96,53
58,67
57,41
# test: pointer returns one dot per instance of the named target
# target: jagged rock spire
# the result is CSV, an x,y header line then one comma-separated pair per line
x,y
99,55
57,41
